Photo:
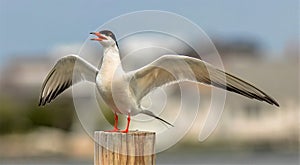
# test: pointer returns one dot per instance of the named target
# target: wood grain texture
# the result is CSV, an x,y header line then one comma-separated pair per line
x,y
132,148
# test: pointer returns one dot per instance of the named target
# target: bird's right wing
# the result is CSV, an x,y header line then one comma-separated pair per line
x,y
68,70
170,69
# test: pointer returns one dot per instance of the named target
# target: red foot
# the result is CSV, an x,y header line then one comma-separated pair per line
x,y
116,129
116,125
124,131
127,126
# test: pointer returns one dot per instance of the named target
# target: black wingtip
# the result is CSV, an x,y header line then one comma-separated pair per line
x,y
276,103
42,102
41,105
271,101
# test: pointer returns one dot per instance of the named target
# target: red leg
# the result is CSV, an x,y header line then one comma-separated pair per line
x,y
127,126
116,122
116,129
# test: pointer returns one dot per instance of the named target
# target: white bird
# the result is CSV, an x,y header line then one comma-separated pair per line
x,y
123,92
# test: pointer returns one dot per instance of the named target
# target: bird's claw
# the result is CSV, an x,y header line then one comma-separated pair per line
x,y
114,130
118,130
124,131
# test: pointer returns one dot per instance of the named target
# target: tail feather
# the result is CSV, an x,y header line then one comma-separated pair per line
x,y
149,113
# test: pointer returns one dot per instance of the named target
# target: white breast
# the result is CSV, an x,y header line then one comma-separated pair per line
x,y
112,85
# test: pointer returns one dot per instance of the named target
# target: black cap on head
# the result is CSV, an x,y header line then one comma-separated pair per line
x,y
110,34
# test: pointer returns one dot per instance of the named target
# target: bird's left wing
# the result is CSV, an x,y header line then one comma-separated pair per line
x,y
68,70
175,68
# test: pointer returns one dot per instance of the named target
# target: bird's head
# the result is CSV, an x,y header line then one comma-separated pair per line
x,y
105,37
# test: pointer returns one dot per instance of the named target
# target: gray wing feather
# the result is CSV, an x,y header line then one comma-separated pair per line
x,y
67,71
170,69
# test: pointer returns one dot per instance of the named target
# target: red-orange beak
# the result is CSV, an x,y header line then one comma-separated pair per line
x,y
99,35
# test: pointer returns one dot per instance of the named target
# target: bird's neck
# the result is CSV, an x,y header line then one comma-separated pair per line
x,y
111,60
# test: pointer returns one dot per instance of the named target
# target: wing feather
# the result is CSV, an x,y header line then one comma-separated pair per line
x,y
68,70
170,69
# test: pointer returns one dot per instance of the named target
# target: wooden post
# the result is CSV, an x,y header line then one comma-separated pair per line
x,y
132,148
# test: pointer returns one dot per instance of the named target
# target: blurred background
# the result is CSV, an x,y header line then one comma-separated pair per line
x,y
257,40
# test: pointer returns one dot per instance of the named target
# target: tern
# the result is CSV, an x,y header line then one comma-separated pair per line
x,y
123,91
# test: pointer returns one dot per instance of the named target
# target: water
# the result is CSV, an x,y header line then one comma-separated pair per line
x,y
185,158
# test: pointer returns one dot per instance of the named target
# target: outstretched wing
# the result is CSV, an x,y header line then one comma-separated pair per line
x,y
68,70
170,69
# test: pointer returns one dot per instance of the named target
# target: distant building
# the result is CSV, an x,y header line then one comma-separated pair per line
x,y
24,74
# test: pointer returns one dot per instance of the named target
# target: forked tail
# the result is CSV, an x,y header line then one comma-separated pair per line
x,y
149,113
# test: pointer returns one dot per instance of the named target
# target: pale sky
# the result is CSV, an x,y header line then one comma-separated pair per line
x,y
35,26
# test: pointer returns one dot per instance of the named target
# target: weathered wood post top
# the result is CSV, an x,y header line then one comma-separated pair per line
x,y
117,148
